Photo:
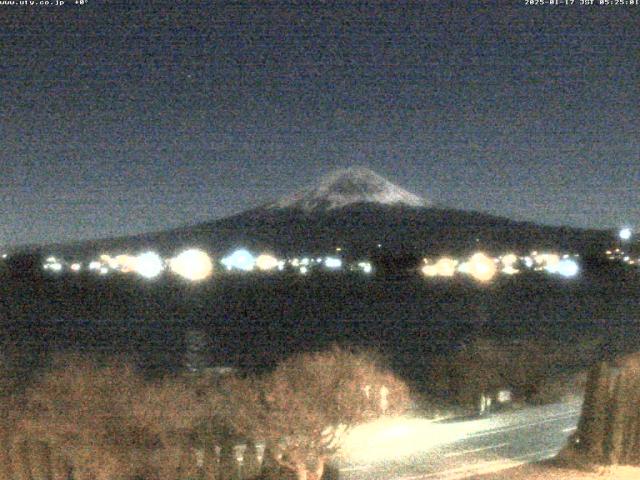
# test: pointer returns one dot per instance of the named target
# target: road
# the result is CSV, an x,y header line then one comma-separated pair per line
x,y
416,449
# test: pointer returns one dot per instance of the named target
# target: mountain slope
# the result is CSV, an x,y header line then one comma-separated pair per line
x,y
362,213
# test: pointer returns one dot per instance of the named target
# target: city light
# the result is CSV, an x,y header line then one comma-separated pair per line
x,y
333,263
192,264
76,267
625,233
125,263
509,263
567,268
481,267
149,265
53,266
108,260
446,267
429,270
547,261
240,260
365,267
266,262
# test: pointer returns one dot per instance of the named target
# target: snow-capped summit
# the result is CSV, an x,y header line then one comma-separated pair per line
x,y
345,187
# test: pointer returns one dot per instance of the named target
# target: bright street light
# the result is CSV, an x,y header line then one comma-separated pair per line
x,y
625,233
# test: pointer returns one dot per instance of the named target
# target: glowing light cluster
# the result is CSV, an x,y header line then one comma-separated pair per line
x,y
567,268
266,262
333,263
365,267
481,267
509,262
625,234
444,267
546,261
192,264
53,264
241,259
149,265
429,270
107,260
125,263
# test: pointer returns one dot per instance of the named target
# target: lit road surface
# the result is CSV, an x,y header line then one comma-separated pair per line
x,y
414,448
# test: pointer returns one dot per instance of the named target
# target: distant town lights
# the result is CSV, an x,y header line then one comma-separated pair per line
x,y
240,260
192,264
509,260
149,265
429,270
567,268
365,267
125,263
481,267
333,262
446,267
266,262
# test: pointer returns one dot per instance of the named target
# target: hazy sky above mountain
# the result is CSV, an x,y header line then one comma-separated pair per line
x,y
118,119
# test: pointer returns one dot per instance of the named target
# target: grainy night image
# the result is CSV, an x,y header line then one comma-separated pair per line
x,y
358,240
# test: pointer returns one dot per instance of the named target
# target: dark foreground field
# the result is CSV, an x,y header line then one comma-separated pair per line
x,y
253,321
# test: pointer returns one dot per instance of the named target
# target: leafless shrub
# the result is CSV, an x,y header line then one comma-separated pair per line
x,y
106,422
301,408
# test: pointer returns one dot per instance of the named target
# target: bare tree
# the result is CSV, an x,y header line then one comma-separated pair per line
x,y
104,422
303,407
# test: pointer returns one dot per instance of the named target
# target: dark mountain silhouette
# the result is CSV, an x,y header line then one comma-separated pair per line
x,y
364,215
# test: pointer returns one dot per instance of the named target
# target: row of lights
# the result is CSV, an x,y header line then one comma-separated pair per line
x,y
483,268
196,265
192,264
617,254
620,255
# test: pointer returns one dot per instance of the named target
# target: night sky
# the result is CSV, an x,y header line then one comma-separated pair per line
x,y
118,119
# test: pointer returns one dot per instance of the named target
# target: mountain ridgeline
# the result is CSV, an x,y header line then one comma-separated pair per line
x,y
363,214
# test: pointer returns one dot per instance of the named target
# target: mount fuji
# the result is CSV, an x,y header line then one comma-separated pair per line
x,y
363,214
347,187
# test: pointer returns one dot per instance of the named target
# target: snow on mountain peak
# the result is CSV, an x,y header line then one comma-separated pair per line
x,y
348,186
